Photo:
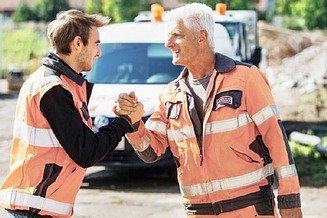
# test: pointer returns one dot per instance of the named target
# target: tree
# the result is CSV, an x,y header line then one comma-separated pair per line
x,y
47,9
23,13
315,14
93,6
241,4
125,10
284,7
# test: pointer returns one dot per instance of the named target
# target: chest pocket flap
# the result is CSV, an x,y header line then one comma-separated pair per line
x,y
230,98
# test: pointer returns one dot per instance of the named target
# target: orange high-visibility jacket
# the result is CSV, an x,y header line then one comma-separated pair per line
x,y
237,148
42,177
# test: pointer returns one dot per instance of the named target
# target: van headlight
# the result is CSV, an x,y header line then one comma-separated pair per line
x,y
100,121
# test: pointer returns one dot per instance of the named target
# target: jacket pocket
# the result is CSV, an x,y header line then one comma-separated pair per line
x,y
68,182
230,98
244,155
50,175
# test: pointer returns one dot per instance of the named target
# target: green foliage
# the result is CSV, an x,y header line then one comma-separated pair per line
x,y
284,7
48,9
44,10
93,6
313,13
294,22
241,4
311,166
118,10
23,13
23,47
125,10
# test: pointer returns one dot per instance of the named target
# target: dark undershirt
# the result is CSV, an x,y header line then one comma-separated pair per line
x,y
82,145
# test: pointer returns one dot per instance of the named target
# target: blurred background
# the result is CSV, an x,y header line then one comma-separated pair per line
x,y
291,33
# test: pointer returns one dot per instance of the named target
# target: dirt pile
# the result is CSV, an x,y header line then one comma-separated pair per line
x,y
296,66
282,43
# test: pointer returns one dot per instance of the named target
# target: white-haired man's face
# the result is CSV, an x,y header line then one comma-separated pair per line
x,y
183,44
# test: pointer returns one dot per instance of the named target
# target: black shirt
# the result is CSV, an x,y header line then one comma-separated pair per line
x,y
83,146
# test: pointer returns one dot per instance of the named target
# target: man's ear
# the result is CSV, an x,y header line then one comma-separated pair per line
x,y
203,36
77,43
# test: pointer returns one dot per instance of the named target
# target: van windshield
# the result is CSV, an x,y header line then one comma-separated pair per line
x,y
136,63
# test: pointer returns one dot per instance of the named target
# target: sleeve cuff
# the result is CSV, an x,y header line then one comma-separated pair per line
x,y
289,201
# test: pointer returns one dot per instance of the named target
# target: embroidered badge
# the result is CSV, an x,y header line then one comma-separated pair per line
x,y
224,100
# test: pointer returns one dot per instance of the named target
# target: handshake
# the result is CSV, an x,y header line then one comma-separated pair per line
x,y
127,105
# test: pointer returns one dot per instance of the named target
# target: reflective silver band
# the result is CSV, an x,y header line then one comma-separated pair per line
x,y
228,183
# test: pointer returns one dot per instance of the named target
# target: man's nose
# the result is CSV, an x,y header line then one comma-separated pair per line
x,y
99,52
168,43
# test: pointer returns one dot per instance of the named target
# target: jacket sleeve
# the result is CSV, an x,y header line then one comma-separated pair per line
x,y
150,140
262,109
82,145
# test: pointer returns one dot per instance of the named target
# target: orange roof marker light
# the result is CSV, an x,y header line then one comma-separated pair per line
x,y
157,12
221,8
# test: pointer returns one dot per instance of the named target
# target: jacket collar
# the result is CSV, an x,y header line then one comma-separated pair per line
x,y
223,64
57,64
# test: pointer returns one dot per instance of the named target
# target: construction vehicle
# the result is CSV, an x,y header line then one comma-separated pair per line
x,y
242,29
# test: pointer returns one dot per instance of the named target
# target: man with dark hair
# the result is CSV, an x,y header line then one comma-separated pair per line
x,y
53,143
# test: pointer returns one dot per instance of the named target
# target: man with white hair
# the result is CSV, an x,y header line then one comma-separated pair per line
x,y
220,121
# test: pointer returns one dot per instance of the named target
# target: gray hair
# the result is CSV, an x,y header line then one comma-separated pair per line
x,y
196,17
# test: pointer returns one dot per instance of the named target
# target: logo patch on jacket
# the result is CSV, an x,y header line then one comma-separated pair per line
x,y
230,99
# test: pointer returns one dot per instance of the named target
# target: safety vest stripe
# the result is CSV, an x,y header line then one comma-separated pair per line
x,y
213,127
228,183
181,134
227,125
45,80
35,136
286,171
222,125
156,126
13,197
264,114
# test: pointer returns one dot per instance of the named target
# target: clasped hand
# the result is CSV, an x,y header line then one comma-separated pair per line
x,y
127,104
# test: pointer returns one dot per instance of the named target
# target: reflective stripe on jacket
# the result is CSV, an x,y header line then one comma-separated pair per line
x,y
242,141
42,177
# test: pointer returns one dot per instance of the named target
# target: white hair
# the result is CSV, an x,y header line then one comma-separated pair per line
x,y
196,17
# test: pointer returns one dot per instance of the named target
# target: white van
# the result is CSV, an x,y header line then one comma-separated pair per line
x,y
134,59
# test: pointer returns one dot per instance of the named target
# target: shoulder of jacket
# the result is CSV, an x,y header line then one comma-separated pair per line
x,y
225,64
239,63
